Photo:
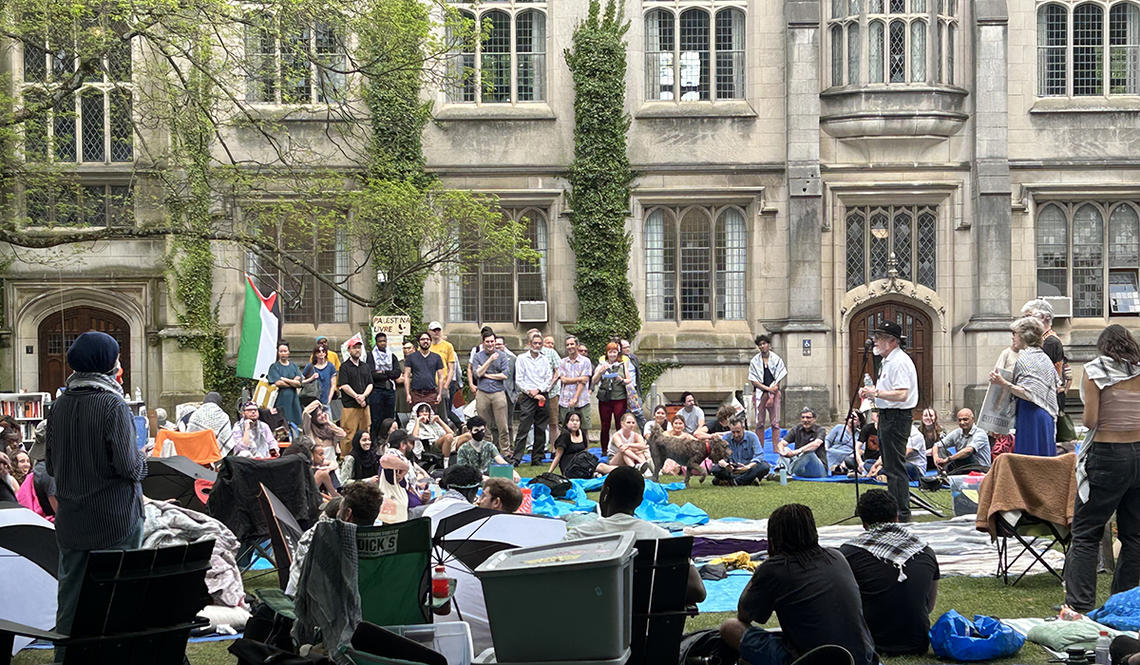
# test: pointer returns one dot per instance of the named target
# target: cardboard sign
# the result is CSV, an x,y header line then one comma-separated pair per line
x,y
392,325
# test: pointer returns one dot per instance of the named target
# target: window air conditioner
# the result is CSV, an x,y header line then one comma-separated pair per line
x,y
1062,306
532,311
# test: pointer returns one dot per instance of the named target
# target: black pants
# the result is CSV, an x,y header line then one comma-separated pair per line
x,y
381,404
1114,485
745,477
894,428
531,417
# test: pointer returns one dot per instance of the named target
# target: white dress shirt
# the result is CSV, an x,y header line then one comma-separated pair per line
x,y
898,372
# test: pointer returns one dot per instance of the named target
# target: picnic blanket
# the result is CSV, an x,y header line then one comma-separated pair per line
x,y
1045,487
1026,626
167,523
961,549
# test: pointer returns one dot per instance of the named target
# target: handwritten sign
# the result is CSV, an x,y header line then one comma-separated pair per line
x,y
392,325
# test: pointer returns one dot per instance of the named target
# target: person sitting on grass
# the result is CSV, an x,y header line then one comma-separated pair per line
x,y
809,588
627,447
621,494
897,576
914,462
971,447
359,505
807,456
476,450
430,433
571,451
745,464
500,494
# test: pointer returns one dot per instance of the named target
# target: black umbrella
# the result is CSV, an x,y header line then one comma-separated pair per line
x,y
29,558
175,478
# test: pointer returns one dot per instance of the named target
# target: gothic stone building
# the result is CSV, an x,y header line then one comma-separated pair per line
x,y
805,167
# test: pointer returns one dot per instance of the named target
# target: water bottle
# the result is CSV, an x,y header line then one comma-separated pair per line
x,y
138,394
867,381
1102,644
866,404
783,475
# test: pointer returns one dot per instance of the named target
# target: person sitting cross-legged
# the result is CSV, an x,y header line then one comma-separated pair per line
x,y
810,589
745,463
808,455
897,576
971,447
474,449
621,494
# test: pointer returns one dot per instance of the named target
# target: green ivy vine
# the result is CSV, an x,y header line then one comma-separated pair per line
x,y
600,178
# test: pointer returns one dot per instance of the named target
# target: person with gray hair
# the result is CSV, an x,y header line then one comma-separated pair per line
x,y
1052,346
1034,384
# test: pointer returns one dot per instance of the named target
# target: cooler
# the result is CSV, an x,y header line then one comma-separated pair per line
x,y
588,616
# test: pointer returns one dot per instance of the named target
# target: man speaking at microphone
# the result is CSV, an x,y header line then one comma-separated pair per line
x,y
896,396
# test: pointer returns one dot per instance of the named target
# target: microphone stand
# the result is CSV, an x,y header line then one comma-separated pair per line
x,y
847,416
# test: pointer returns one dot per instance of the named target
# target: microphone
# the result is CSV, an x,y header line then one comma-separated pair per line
x,y
868,344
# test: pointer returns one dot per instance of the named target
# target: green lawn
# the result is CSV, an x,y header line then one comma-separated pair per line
x,y
1034,596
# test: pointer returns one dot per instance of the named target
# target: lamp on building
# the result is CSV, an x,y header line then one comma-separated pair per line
x,y
879,228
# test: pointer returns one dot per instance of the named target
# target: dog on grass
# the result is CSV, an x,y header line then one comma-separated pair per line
x,y
688,453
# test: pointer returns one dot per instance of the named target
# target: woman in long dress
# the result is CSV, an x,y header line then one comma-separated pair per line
x,y
1034,384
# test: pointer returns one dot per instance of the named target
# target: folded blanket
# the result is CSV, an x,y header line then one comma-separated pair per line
x,y
1045,487
167,523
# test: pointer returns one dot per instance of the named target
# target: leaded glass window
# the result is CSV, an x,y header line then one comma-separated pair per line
x,y
1081,255
1082,51
490,290
499,55
293,62
875,234
1088,50
694,54
695,263
322,248
67,203
897,41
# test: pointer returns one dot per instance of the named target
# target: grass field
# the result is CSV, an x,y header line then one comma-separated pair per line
x,y
1035,595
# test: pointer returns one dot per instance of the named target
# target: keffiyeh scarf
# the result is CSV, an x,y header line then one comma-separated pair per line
x,y
890,542
96,380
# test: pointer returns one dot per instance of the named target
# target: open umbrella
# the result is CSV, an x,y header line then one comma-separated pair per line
x,y
29,558
178,478
466,536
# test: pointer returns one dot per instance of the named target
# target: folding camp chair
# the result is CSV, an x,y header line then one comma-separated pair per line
x,y
394,572
1027,531
135,606
201,446
284,532
660,577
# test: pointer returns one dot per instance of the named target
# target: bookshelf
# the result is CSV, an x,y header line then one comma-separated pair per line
x,y
28,409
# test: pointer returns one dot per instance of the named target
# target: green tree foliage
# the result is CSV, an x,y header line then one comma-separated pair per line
x,y
600,178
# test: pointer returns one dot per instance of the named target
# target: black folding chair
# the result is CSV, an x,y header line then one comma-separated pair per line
x,y
284,532
135,606
660,578
1027,532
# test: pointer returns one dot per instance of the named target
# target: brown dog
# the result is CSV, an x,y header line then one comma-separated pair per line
x,y
689,453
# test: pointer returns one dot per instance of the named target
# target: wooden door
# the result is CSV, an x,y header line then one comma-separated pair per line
x,y
916,329
60,329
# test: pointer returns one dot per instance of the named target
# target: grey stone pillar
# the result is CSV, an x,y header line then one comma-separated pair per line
x,y
804,188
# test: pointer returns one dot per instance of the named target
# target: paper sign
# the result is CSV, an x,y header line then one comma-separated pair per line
x,y
999,410
392,325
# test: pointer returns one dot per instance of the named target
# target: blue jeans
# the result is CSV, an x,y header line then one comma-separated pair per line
x,y
72,566
808,465
760,647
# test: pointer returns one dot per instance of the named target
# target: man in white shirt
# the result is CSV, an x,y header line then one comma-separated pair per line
x,y
767,373
533,377
896,396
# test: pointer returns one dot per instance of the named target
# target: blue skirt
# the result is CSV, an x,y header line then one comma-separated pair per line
x,y
1036,431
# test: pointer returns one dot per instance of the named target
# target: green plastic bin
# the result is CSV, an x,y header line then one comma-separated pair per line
x,y
588,583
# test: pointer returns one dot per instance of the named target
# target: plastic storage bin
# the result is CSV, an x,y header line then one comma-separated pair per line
x,y
590,582
452,639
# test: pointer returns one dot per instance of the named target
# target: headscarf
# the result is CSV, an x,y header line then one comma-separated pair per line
x,y
93,352
365,463
212,398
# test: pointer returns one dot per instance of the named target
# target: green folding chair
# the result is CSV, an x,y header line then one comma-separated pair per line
x,y
394,573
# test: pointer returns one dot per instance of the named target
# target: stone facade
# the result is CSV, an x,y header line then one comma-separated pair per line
x,y
966,135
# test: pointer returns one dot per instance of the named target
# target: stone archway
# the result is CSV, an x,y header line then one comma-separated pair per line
x,y
918,330
59,329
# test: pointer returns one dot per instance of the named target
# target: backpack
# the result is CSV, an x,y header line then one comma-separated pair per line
x,y
705,646
559,485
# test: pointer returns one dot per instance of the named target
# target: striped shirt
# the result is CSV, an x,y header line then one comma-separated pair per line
x,y
1034,372
97,467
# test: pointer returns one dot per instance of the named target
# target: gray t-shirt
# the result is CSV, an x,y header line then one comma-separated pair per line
x,y
976,439
692,418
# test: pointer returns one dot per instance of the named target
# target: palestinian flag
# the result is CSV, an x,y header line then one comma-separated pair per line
x,y
260,332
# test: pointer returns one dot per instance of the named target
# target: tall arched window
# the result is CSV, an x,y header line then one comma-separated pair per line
x,y
695,263
1078,254
1084,51
694,54
1052,44
897,41
1124,49
499,57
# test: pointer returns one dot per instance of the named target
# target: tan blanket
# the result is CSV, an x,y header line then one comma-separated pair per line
x,y
1045,487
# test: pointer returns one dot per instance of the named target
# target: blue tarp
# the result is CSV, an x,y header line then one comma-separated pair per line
x,y
655,506
1121,611
723,595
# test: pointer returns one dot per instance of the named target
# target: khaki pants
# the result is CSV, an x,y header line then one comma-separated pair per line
x,y
492,407
353,421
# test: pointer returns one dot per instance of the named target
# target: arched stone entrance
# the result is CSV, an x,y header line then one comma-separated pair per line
x,y
59,329
917,329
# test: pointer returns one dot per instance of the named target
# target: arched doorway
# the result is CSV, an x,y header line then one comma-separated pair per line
x,y
59,330
916,328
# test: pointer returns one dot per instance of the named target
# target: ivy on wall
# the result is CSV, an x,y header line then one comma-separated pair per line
x,y
600,178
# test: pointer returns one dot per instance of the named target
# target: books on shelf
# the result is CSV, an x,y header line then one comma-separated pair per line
x,y
28,409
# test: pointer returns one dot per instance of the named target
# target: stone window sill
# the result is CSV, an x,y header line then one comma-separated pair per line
x,y
737,108
297,113
480,112
1130,103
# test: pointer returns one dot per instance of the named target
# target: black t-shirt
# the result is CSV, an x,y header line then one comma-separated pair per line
x,y
423,370
896,612
798,436
869,436
716,428
357,377
816,601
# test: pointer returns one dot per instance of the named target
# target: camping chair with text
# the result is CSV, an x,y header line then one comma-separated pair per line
x,y
394,572
660,577
284,532
201,446
1026,504
135,606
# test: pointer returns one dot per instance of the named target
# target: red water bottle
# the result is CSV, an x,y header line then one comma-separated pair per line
x,y
440,586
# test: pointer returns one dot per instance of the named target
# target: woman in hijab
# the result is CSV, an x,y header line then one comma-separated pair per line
x,y
362,463
211,416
